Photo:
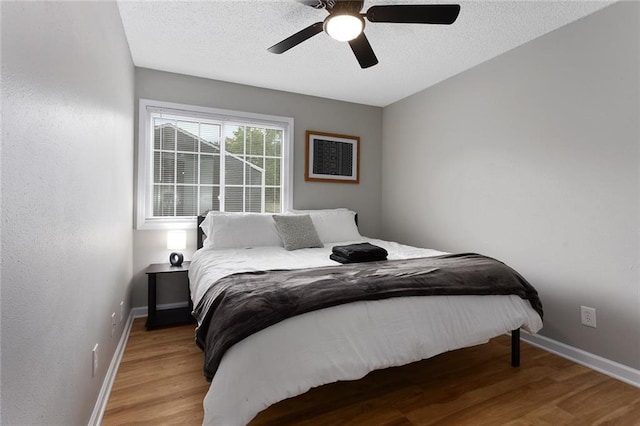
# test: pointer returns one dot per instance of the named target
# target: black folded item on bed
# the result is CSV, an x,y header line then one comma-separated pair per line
x,y
360,252
238,305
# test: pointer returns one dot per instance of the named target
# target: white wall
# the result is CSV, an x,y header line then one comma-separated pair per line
x,y
533,158
309,113
67,160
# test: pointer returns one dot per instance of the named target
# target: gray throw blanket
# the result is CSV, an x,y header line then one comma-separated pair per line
x,y
241,304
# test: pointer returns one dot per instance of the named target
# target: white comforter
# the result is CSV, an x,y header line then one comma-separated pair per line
x,y
343,342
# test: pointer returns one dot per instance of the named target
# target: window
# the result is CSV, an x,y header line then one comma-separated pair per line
x,y
193,159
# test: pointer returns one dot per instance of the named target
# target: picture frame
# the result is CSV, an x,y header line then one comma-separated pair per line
x,y
332,157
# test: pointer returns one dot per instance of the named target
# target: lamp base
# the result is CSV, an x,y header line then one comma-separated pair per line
x,y
176,258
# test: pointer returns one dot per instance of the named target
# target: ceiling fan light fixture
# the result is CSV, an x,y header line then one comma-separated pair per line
x,y
344,27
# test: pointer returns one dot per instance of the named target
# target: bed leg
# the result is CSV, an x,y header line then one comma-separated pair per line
x,y
515,348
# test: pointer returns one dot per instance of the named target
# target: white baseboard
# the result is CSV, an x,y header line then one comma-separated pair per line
x,y
610,368
107,384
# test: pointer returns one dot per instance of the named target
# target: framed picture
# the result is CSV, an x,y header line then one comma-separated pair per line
x,y
332,157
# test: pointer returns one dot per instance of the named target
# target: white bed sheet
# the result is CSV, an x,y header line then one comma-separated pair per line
x,y
343,342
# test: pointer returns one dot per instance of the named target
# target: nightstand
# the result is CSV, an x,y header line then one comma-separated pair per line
x,y
166,317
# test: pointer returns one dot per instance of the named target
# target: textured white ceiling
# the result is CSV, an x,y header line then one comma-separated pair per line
x,y
228,40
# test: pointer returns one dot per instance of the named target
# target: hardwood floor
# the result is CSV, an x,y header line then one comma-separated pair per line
x,y
160,381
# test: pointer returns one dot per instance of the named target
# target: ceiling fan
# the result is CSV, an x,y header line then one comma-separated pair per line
x,y
346,23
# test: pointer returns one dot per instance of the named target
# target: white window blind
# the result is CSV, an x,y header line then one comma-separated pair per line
x,y
195,159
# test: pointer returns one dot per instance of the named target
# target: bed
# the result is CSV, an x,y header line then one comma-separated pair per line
x,y
255,359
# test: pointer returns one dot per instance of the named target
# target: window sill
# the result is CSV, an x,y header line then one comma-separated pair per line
x,y
166,223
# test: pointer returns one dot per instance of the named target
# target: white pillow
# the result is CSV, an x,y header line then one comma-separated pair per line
x,y
239,230
207,223
207,226
334,225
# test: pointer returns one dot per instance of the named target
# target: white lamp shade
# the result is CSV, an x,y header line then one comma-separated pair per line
x,y
177,240
344,27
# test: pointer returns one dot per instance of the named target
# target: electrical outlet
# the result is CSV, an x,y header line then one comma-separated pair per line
x,y
588,316
121,310
94,361
113,324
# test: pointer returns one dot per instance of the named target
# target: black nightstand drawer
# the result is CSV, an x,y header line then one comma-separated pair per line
x,y
167,317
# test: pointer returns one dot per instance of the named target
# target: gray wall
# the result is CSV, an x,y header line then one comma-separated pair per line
x,y
67,157
533,158
309,113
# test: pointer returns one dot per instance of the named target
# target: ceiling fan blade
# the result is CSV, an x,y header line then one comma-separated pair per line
x,y
363,51
316,4
296,39
415,13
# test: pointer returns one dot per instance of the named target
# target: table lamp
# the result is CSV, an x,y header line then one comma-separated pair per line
x,y
176,240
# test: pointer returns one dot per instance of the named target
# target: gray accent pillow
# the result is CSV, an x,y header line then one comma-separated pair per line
x,y
297,231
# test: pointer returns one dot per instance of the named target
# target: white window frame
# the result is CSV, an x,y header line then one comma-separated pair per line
x,y
144,194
